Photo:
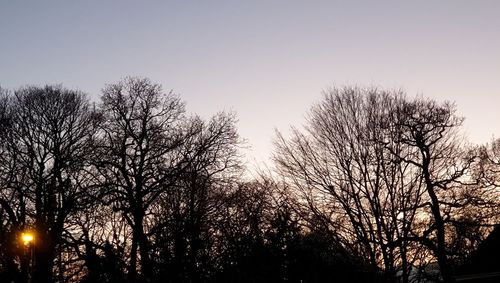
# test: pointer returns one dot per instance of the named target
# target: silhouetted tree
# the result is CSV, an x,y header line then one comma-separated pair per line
x,y
12,207
349,181
430,129
478,210
137,155
97,233
185,215
262,239
45,141
376,187
107,267
390,175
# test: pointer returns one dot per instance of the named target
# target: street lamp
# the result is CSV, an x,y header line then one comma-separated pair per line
x,y
27,238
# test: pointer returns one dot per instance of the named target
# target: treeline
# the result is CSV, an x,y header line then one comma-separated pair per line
x,y
377,187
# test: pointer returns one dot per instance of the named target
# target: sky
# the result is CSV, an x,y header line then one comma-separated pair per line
x,y
268,61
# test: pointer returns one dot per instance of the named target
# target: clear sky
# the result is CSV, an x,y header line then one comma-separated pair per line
x,y
266,60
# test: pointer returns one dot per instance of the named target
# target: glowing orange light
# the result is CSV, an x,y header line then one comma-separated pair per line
x,y
27,238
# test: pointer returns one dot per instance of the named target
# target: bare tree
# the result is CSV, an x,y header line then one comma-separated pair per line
x,y
429,129
137,156
46,141
350,180
184,217
392,176
12,205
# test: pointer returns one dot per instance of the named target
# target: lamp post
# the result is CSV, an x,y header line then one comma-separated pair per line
x,y
28,239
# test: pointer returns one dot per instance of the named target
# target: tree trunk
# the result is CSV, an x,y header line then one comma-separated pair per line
x,y
143,245
132,269
43,258
440,251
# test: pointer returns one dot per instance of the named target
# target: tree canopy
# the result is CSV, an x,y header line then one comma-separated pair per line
x,y
376,187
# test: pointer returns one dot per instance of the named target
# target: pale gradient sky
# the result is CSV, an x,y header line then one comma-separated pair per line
x,y
266,60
